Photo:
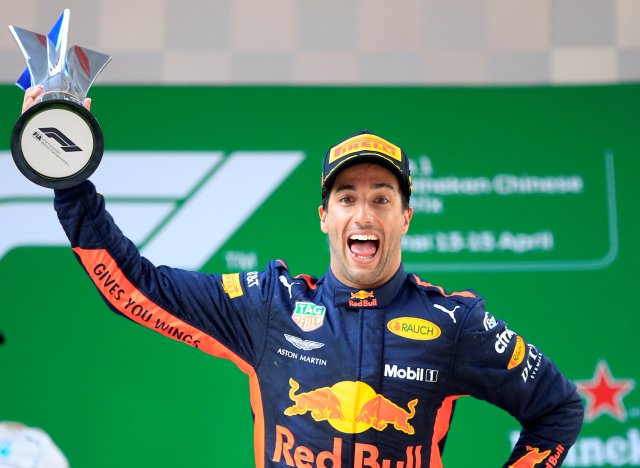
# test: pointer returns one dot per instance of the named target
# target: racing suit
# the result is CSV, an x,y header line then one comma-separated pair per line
x,y
338,376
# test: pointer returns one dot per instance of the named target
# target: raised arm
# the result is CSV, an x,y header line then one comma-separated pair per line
x,y
194,308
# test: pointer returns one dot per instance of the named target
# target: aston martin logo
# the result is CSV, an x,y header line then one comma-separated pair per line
x,y
306,345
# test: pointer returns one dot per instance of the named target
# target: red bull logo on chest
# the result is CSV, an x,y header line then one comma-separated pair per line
x,y
351,407
362,294
290,452
362,298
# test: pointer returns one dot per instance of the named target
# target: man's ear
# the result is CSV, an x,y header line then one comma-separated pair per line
x,y
323,219
407,215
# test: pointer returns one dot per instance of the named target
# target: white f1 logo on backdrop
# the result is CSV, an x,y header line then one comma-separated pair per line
x,y
179,208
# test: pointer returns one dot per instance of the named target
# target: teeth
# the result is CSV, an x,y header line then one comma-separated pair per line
x,y
363,237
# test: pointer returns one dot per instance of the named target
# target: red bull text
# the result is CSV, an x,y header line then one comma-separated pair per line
x,y
363,298
365,455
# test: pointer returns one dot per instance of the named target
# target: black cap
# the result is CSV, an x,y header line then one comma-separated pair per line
x,y
365,147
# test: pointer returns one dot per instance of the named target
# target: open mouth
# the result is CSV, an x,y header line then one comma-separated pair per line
x,y
363,246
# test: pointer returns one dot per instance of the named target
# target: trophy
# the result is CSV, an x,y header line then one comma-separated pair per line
x,y
57,142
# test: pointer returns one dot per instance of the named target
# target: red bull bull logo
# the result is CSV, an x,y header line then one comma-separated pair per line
x,y
362,294
363,298
380,412
322,403
530,459
351,407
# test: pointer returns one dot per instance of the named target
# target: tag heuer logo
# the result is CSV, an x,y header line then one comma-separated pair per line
x,y
308,316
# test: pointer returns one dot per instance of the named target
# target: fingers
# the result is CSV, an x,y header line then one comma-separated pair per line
x,y
30,96
33,93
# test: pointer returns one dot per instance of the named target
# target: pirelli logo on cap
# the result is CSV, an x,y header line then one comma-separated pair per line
x,y
362,143
231,285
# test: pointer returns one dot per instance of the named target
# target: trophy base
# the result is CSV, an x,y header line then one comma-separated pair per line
x,y
57,144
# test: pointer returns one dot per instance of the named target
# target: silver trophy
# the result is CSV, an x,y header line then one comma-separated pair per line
x,y
57,142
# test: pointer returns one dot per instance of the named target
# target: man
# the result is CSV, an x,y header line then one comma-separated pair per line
x,y
360,368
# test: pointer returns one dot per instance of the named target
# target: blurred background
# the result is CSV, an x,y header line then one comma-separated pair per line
x,y
521,121
357,42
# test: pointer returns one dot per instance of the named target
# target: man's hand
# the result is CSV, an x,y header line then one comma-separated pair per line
x,y
34,92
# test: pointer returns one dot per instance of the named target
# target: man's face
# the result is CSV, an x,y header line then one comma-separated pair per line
x,y
365,222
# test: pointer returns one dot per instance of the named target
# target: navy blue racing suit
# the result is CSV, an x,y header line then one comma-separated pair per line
x,y
339,377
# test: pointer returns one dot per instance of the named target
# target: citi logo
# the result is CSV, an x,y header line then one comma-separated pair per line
x,y
408,373
64,141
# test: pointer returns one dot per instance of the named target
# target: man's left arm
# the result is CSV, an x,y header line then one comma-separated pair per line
x,y
495,364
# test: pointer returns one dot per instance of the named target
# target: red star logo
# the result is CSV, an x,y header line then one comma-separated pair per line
x,y
604,393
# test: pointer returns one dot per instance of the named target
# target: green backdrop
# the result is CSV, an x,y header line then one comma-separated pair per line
x,y
527,195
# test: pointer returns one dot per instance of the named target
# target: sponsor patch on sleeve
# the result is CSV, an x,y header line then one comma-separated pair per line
x,y
231,284
518,353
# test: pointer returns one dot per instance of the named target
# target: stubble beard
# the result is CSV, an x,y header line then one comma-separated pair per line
x,y
354,276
